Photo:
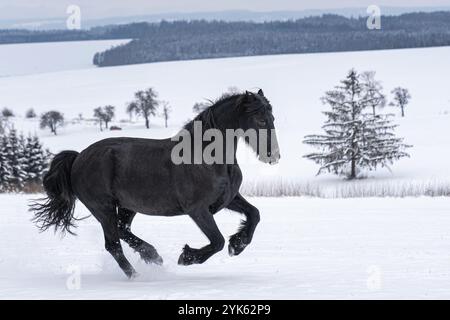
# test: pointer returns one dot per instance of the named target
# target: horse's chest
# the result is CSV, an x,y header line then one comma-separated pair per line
x,y
227,187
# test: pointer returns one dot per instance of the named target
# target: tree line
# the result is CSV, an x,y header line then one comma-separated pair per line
x,y
433,22
198,39
145,104
182,40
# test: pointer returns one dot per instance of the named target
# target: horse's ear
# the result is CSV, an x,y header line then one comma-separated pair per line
x,y
248,96
261,93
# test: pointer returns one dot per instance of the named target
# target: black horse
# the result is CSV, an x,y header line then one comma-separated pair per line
x,y
117,177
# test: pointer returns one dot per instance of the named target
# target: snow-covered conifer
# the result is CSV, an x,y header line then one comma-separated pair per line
x,y
35,160
354,139
16,158
5,168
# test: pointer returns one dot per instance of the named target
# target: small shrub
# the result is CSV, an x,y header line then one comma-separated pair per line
x,y
7,113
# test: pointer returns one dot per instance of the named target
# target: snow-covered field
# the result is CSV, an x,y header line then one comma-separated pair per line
x,y
33,58
303,248
293,83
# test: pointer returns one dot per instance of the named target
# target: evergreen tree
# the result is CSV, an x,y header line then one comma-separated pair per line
x,y
35,160
4,124
23,161
353,139
5,167
48,156
16,159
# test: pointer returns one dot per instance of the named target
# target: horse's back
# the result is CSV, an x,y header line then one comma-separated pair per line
x,y
129,171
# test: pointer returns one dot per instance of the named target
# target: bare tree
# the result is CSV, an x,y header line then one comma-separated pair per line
x,y
373,91
233,90
52,120
104,114
200,106
98,114
145,104
166,111
401,98
108,114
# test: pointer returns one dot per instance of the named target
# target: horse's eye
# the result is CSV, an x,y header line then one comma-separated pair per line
x,y
261,122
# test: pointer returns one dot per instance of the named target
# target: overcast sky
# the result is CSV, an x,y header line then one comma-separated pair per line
x,y
40,9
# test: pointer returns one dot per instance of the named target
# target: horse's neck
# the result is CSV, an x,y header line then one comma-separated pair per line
x,y
218,117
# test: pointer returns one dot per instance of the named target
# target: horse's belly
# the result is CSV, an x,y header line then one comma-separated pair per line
x,y
148,196
151,205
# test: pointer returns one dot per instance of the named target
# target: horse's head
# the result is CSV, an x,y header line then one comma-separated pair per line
x,y
257,116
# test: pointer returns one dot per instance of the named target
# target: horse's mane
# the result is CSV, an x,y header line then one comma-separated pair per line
x,y
206,116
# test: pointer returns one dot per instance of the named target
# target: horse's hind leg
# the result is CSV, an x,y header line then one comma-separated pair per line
x,y
244,236
147,251
107,217
205,221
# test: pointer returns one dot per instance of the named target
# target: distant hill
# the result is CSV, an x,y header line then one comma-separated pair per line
x,y
229,16
202,39
183,40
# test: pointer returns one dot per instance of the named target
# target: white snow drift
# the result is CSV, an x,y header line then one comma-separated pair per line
x,y
303,248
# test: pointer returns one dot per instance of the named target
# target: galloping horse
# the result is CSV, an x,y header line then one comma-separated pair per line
x,y
117,177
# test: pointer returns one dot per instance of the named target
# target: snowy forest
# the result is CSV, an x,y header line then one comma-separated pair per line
x,y
23,162
182,40
199,39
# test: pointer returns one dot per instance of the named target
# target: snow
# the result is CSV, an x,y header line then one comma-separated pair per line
x,y
293,83
15,59
303,248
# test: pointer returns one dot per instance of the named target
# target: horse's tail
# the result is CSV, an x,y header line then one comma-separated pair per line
x,y
57,208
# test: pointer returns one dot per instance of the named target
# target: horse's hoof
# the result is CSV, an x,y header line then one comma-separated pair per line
x,y
132,274
159,261
150,255
187,257
155,260
231,251
236,245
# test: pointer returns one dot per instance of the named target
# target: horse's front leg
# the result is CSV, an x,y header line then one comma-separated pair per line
x,y
244,236
205,221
